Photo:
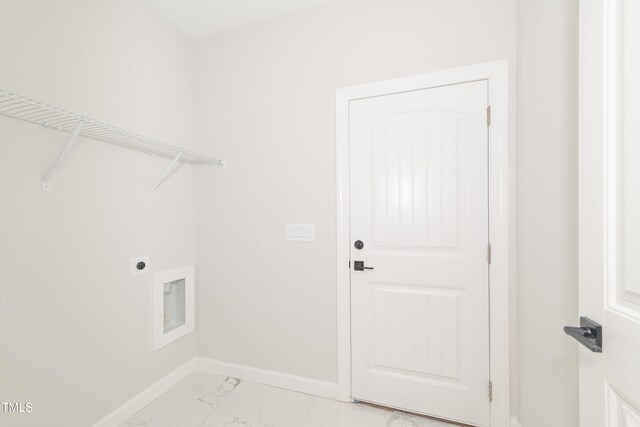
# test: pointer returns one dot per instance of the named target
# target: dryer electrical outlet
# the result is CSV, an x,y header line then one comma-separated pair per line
x,y
140,265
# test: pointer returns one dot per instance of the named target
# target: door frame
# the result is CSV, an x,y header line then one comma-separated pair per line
x,y
501,219
593,95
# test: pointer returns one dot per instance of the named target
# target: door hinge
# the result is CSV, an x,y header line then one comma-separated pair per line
x,y
489,115
489,253
490,391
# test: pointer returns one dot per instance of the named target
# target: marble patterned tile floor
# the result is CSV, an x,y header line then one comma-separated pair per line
x,y
205,400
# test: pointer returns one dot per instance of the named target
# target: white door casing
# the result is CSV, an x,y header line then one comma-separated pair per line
x,y
420,318
609,210
494,78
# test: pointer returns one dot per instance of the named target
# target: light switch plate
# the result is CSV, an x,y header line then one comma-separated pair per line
x,y
301,232
135,271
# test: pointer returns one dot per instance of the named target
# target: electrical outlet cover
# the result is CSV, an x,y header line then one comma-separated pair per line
x,y
301,232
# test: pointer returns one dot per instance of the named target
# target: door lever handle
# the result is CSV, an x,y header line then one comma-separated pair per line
x,y
589,334
359,266
576,331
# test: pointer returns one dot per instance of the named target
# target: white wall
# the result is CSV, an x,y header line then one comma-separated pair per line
x,y
75,328
547,211
265,100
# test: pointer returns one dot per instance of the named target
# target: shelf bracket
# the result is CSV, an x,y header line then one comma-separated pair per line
x,y
46,180
167,173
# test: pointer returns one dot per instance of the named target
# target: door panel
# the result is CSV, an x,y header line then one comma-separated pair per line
x,y
415,332
413,177
626,290
419,191
622,313
622,413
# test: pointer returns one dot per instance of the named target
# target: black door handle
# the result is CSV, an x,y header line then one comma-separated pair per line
x,y
589,334
359,266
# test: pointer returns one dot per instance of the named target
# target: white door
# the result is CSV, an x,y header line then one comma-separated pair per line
x,y
420,308
610,210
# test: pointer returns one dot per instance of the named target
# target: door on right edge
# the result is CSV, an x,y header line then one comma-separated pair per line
x,y
609,210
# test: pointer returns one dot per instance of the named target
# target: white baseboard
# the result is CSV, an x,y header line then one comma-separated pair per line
x,y
267,377
515,422
147,396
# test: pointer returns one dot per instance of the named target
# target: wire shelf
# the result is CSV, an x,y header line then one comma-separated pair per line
x,y
32,110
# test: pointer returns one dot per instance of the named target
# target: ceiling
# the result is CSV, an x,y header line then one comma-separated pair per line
x,y
202,18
